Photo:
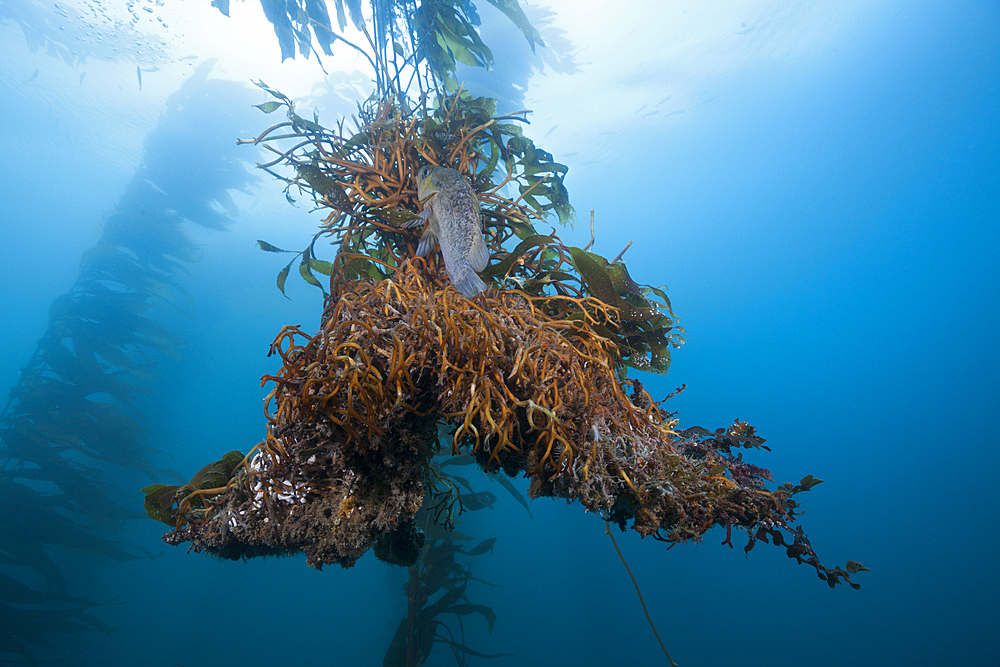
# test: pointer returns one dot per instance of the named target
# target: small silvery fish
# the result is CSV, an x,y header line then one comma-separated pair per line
x,y
451,207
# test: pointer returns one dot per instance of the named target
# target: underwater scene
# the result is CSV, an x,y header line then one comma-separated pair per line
x,y
496,332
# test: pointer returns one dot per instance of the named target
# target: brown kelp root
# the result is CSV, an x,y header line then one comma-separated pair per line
x,y
526,385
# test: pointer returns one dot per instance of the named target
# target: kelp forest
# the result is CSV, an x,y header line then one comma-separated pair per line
x,y
403,380
73,435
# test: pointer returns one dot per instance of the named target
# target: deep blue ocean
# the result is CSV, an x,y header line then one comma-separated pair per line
x,y
827,225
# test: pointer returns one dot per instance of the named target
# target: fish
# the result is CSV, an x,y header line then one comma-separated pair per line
x,y
451,209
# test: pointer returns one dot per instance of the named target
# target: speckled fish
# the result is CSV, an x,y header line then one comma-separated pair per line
x,y
451,207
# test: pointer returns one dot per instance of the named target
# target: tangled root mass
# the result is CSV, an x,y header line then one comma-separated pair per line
x,y
357,410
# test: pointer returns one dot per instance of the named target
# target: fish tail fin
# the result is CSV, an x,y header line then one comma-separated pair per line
x,y
469,284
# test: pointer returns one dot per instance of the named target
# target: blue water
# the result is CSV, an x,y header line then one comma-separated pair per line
x,y
828,231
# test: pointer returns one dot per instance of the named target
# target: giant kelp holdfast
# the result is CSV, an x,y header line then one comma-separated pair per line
x,y
528,378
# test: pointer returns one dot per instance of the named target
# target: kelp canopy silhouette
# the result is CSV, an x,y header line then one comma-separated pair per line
x,y
529,377
71,432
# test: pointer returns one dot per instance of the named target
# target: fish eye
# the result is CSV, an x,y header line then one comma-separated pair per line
x,y
424,172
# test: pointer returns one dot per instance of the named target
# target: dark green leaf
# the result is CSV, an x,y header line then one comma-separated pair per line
x,y
717,469
218,473
446,600
341,17
501,268
322,266
468,651
354,10
300,122
397,217
808,482
661,293
461,480
600,285
854,566
161,498
491,166
482,547
459,50
514,12
478,501
395,656
159,502
319,20
268,107
264,245
512,490
324,185
282,276
460,460
436,531
358,140
307,274
466,609
274,93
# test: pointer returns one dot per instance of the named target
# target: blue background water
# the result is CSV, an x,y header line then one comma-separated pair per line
x,y
828,230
